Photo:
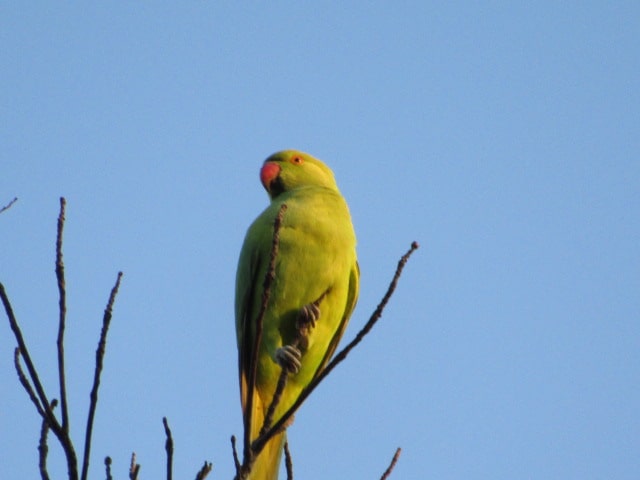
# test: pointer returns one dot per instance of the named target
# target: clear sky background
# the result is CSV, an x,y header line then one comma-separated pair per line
x,y
505,139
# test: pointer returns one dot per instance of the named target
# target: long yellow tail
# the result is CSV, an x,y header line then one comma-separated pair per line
x,y
267,464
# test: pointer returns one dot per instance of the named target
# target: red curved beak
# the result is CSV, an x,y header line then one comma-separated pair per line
x,y
268,173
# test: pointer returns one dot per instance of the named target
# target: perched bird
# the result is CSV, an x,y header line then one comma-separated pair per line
x,y
316,283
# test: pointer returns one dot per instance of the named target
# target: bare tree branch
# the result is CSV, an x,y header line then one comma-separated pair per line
x,y
34,388
394,460
9,205
204,471
43,448
25,382
22,350
168,447
249,453
288,462
236,461
107,467
42,404
62,318
277,395
134,468
39,397
106,322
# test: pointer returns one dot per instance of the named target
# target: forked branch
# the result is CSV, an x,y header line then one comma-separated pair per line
x,y
32,383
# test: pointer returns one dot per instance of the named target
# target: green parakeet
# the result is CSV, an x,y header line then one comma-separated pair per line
x,y
316,275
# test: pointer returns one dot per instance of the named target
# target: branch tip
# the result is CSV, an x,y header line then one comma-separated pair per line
x,y
107,467
236,461
9,205
392,465
168,447
204,471
100,352
134,467
288,461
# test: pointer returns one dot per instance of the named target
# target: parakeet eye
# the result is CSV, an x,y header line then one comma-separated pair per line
x,y
296,160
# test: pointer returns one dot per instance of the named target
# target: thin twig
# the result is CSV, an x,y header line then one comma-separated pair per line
x,y
43,448
106,321
63,314
253,366
168,447
277,395
134,468
394,460
25,382
287,461
107,466
8,205
262,440
236,461
204,471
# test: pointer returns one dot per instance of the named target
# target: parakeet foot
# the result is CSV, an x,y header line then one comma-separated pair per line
x,y
289,358
307,317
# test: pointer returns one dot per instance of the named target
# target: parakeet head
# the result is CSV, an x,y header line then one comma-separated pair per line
x,y
287,170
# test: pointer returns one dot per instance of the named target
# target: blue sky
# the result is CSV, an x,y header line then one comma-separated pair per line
x,y
504,138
